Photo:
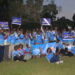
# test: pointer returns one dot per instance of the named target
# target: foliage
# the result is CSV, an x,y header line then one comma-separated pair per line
x,y
50,10
3,10
73,17
63,23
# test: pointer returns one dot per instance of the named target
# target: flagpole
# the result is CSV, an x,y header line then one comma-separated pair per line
x,y
19,26
11,27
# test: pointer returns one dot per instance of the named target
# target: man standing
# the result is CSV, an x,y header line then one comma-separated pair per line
x,y
1,46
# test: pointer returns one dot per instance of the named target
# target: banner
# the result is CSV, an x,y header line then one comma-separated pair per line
x,y
4,25
46,21
42,48
16,20
67,35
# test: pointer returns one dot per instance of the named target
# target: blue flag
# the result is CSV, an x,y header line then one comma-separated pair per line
x,y
42,48
4,25
46,21
16,20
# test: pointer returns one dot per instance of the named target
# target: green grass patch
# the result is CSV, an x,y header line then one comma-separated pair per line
x,y
39,66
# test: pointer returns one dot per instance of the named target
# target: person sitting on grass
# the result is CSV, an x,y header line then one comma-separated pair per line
x,y
16,55
27,52
68,52
53,57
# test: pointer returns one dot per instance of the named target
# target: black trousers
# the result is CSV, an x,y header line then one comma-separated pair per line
x,y
66,53
1,53
20,58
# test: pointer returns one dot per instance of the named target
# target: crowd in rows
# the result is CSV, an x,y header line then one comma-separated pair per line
x,y
20,42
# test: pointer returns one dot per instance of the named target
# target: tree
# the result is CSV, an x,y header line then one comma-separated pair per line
x,y
51,9
63,22
15,8
32,11
29,12
34,8
3,10
73,17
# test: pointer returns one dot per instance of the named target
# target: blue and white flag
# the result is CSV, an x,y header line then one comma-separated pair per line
x,y
46,21
16,20
67,35
42,48
4,25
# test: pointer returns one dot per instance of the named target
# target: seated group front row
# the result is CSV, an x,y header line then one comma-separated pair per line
x,y
20,53
24,54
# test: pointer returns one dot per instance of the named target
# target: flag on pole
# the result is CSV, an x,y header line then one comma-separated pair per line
x,y
4,25
16,20
45,21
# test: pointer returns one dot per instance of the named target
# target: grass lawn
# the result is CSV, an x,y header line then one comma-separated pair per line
x,y
39,66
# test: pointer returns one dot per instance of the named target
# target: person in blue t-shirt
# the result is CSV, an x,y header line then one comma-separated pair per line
x,y
59,44
11,39
38,39
45,37
17,54
52,36
49,54
53,57
20,39
1,39
27,52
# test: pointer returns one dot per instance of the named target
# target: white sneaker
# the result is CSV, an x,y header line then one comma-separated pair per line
x,y
58,62
61,61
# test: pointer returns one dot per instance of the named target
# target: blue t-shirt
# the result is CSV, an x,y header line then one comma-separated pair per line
x,y
32,42
14,53
26,49
51,36
28,41
73,50
60,45
38,39
20,52
11,39
22,36
49,56
1,39
20,40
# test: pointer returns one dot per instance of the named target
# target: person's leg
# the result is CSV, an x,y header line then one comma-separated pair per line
x,y
16,58
1,53
22,58
11,48
54,59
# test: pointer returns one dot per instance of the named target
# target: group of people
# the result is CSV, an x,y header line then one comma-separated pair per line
x,y
20,42
20,53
